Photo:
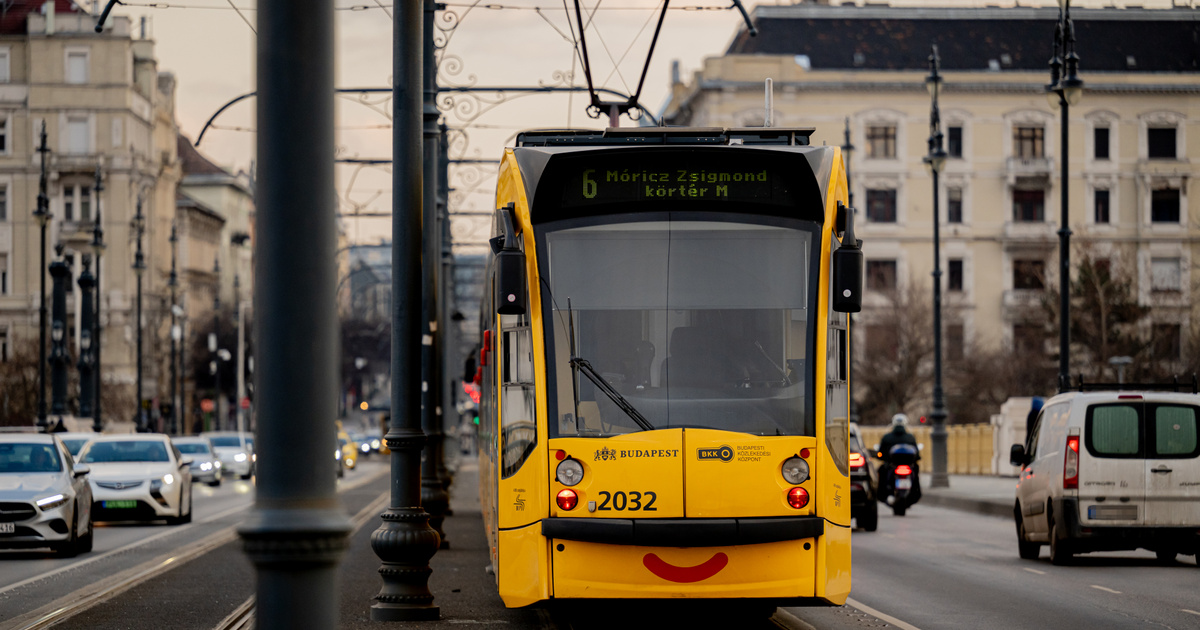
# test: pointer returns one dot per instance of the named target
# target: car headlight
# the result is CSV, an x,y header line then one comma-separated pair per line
x,y
206,466
365,447
795,470
337,454
51,502
240,457
217,464
168,479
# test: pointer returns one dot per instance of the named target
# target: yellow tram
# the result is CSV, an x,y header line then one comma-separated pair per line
x,y
664,367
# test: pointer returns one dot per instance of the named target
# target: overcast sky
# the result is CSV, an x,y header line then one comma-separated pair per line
x,y
210,47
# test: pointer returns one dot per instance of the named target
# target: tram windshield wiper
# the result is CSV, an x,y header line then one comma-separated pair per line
x,y
583,366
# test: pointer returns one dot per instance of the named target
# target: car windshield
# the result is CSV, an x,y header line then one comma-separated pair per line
x,y
231,441
192,448
691,323
131,451
75,444
29,458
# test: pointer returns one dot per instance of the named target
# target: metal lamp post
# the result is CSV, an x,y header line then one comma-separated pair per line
x,y
1065,89
42,214
935,160
87,381
139,269
97,246
173,284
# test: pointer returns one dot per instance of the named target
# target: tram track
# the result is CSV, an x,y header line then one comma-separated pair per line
x,y
79,601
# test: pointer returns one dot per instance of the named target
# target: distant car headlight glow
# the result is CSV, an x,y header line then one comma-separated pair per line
x,y
206,466
168,479
240,457
366,447
51,502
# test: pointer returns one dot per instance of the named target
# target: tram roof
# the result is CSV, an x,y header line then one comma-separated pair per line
x,y
642,136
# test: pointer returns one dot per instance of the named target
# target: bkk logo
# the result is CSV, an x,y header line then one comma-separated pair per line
x,y
723,453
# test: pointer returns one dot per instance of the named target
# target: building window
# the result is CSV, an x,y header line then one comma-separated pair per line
x,y
77,66
77,135
881,205
954,276
1029,142
1028,340
77,203
954,145
954,206
1165,275
1029,205
881,275
1100,142
1160,143
1168,341
1100,206
1164,205
1029,274
955,342
3,203
4,346
5,66
3,274
3,134
881,141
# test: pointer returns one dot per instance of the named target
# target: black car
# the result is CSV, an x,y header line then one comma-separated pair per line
x,y
864,484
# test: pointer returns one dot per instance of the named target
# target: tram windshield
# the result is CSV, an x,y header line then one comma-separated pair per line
x,y
693,323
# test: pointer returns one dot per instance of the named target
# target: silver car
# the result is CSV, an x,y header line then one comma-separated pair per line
x,y
206,466
45,498
235,450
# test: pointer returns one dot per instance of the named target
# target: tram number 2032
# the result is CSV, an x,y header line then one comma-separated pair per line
x,y
631,501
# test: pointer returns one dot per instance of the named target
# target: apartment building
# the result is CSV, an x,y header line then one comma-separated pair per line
x,y
104,106
1133,153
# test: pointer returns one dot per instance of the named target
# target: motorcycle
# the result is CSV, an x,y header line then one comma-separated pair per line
x,y
901,478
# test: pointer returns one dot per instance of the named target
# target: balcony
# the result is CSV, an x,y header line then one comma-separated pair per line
x,y
1029,235
1019,304
1028,171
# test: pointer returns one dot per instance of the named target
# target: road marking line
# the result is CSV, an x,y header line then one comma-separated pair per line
x,y
881,616
1190,612
1035,571
1106,589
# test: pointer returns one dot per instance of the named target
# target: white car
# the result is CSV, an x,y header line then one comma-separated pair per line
x,y
138,477
75,441
235,450
205,465
45,499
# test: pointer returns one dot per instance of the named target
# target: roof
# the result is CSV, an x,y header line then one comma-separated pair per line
x,y
184,201
193,162
13,14
899,38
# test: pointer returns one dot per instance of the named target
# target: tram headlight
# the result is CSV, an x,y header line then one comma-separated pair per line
x,y
569,472
795,471
567,499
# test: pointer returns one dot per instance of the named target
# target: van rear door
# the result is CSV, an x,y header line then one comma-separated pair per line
x,y
1112,465
1172,465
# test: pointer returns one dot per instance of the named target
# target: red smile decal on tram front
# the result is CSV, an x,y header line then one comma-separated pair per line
x,y
685,575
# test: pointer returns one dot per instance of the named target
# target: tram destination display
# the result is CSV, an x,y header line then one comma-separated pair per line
x,y
608,178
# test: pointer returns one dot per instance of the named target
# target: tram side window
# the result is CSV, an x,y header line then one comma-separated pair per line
x,y
518,429
837,392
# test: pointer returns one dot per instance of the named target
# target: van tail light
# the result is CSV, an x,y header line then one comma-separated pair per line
x,y
1071,464
903,470
857,460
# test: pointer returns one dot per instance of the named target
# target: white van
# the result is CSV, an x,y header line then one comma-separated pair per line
x,y
1112,470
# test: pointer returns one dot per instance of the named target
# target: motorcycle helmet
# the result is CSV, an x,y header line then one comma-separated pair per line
x,y
899,420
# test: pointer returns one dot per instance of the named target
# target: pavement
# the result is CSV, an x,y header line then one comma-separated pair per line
x,y
465,593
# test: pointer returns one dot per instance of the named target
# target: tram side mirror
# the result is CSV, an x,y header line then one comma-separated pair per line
x,y
510,266
847,267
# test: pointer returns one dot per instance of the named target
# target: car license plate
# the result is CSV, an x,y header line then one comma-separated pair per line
x,y
8,528
119,505
904,484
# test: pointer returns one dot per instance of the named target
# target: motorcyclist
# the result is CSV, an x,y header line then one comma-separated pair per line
x,y
898,435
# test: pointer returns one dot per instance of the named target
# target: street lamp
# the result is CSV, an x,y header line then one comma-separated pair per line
x,y
935,160
87,381
42,214
173,284
97,247
138,225
215,341
1065,89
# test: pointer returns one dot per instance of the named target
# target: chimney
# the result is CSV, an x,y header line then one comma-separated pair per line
x,y
48,11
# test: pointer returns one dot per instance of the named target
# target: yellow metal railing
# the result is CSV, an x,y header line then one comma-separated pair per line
x,y
968,446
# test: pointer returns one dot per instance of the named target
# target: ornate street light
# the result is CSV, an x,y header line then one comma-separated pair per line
x,y
97,246
935,160
42,215
1065,89
87,359
138,225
